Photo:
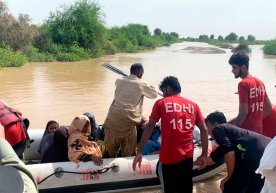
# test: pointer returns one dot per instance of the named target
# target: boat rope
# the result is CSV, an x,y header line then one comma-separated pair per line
x,y
59,171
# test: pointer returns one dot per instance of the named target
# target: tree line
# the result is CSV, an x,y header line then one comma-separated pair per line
x,y
243,42
72,33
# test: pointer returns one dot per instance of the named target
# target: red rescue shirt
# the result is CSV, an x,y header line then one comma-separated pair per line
x,y
178,118
269,124
252,91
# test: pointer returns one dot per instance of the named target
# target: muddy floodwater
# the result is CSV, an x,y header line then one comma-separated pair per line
x,y
60,91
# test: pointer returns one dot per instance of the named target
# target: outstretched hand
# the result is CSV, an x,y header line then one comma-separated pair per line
x,y
97,160
201,162
137,159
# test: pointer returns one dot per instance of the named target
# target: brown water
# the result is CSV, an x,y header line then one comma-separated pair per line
x,y
60,91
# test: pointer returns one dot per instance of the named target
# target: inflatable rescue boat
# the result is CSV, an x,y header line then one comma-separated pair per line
x,y
115,175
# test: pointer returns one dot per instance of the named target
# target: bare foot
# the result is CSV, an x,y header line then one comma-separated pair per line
x,y
97,160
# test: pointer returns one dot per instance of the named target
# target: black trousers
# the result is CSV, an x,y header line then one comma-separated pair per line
x,y
177,177
19,148
244,180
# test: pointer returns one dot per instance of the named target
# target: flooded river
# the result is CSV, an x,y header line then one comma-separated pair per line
x,y
60,91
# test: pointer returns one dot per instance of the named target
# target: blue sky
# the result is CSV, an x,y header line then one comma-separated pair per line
x,y
186,17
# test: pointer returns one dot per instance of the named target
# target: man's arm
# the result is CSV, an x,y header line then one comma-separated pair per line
x,y
204,138
209,162
233,121
145,137
150,92
243,111
229,159
201,160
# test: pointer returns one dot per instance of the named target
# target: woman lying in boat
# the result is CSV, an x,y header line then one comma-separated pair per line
x,y
79,147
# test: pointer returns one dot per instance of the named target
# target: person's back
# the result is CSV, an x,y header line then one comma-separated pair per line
x,y
241,149
249,146
129,91
129,96
173,110
125,112
252,91
15,128
178,118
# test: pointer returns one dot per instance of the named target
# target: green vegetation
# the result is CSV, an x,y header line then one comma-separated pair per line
x,y
73,33
137,37
242,47
270,47
11,59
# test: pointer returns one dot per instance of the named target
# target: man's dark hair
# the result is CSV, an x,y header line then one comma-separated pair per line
x,y
172,82
216,117
239,59
136,67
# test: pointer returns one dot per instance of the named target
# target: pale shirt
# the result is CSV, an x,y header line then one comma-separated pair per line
x,y
9,158
126,108
267,167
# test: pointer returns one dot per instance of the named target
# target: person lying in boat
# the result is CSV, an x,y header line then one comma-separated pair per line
x,y
153,144
14,176
79,147
48,136
96,130
58,150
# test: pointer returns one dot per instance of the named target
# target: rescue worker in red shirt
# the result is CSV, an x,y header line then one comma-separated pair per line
x,y
15,133
178,118
254,103
269,123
